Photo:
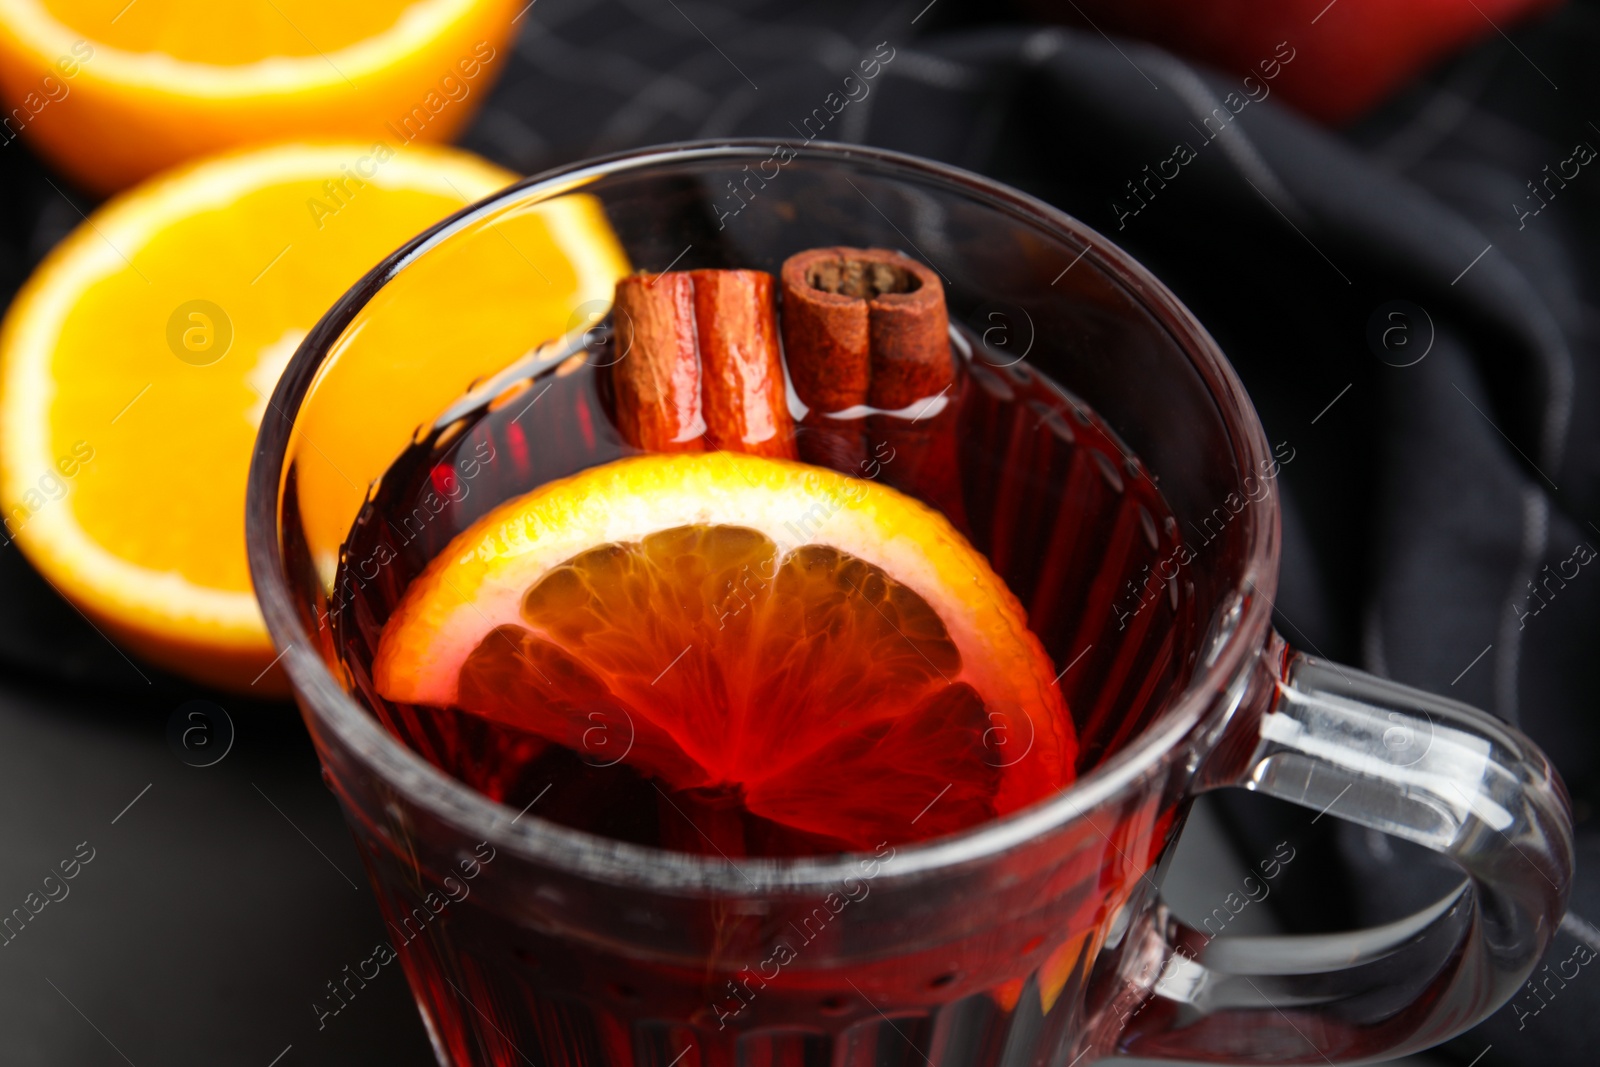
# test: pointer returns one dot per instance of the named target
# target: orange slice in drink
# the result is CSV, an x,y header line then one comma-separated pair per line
x,y
112,91
824,649
137,364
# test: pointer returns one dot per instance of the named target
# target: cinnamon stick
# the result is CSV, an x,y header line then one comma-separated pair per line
x,y
657,375
911,357
825,335
700,366
864,326
741,372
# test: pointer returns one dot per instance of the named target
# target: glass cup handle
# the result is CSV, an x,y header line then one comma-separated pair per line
x,y
1385,756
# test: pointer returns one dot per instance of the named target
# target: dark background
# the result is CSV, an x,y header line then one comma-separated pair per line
x,y
1422,499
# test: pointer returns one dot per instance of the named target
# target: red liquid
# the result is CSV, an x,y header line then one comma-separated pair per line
x,y
1035,481
1075,528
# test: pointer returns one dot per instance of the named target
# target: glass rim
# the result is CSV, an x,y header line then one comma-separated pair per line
x,y
546,843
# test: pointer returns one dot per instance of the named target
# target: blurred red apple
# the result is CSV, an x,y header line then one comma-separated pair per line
x,y
1349,54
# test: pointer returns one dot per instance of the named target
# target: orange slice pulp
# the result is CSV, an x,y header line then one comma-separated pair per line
x,y
824,650
138,362
112,92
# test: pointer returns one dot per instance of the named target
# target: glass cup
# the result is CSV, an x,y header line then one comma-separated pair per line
x,y
1038,938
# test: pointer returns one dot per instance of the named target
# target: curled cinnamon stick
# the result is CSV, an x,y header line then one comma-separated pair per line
x,y
699,365
910,330
864,326
741,372
657,375
824,336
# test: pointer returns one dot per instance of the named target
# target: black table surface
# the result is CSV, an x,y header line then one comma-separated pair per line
x,y
217,902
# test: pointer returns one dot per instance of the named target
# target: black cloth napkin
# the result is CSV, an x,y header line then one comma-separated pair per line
x,y
1411,302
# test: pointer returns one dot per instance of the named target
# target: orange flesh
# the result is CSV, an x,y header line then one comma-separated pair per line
x,y
226,34
149,494
812,688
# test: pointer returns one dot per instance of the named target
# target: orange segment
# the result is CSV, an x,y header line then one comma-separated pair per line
x,y
113,92
829,651
136,366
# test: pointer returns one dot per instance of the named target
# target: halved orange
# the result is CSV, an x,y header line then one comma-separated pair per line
x,y
825,650
112,91
136,365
